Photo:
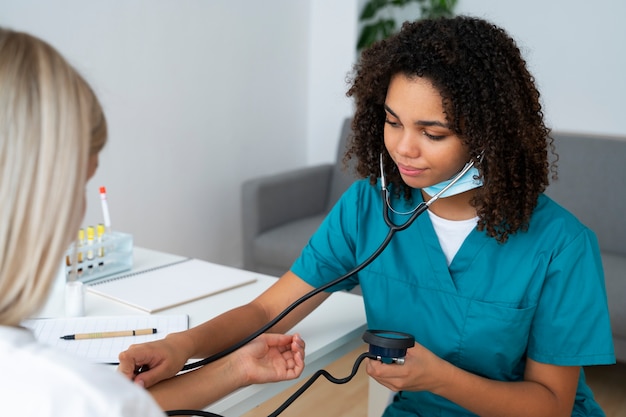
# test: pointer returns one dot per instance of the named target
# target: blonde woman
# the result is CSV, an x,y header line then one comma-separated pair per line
x,y
52,128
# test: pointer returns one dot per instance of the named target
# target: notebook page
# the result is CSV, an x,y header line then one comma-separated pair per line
x,y
103,350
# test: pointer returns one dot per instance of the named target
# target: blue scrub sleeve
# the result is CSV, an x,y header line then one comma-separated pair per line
x,y
573,292
330,252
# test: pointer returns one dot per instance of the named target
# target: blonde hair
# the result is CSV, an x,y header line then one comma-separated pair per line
x,y
50,122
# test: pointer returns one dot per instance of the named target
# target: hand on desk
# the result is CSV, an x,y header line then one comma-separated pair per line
x,y
163,359
268,358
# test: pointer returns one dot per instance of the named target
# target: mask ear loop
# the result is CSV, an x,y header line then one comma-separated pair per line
x,y
480,157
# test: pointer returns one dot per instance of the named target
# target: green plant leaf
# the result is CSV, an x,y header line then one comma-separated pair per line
x,y
372,7
374,32
383,28
438,8
402,3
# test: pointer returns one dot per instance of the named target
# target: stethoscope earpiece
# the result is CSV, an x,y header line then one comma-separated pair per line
x,y
388,346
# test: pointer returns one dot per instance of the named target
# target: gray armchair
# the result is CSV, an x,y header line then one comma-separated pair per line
x,y
280,212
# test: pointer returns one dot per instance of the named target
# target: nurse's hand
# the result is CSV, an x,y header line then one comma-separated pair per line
x,y
418,373
149,363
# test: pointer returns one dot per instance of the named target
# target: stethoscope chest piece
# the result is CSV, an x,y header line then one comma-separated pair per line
x,y
388,346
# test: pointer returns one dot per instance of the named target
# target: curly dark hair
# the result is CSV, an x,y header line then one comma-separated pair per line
x,y
490,101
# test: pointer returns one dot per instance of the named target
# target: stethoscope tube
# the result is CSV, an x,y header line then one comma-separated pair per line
x,y
290,308
293,396
393,228
326,375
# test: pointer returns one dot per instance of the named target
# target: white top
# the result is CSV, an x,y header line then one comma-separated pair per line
x,y
38,381
451,233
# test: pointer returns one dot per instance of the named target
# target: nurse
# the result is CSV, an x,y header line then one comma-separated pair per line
x,y
502,288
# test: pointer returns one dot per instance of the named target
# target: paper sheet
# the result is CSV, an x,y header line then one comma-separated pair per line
x,y
104,350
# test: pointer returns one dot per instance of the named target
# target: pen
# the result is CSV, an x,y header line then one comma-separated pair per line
x,y
101,335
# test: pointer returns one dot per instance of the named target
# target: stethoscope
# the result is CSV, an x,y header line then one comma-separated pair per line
x,y
419,209
385,346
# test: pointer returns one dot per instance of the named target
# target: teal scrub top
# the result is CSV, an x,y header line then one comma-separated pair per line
x,y
540,295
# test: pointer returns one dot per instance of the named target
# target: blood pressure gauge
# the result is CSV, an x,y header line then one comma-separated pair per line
x,y
388,346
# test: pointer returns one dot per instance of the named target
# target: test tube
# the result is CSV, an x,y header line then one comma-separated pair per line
x,y
79,253
90,237
100,238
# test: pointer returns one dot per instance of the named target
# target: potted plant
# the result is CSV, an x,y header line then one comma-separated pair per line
x,y
378,21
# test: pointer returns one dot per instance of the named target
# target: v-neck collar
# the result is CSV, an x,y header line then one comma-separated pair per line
x,y
448,276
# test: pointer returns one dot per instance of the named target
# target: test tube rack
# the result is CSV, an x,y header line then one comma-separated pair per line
x,y
97,254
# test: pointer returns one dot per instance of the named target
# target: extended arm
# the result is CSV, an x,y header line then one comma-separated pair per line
x,y
165,358
268,358
547,390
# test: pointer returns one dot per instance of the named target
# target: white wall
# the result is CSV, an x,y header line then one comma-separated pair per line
x,y
576,50
202,94
199,95
333,36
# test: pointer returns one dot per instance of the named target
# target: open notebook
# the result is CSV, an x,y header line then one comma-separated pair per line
x,y
103,350
170,285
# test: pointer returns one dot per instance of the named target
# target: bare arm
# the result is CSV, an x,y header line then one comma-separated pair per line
x,y
166,357
240,322
547,390
268,358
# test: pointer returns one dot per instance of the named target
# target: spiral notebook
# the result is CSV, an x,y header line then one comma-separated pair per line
x,y
170,285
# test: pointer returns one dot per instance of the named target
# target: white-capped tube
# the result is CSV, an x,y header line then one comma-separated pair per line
x,y
74,299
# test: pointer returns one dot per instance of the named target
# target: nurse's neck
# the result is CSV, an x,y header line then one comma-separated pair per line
x,y
456,207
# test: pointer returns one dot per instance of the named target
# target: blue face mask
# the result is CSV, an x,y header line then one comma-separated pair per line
x,y
465,183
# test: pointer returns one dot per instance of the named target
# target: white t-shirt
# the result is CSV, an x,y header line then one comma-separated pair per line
x,y
451,233
39,381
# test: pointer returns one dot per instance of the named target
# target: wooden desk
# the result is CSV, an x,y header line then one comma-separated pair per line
x,y
331,331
